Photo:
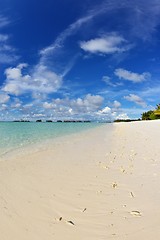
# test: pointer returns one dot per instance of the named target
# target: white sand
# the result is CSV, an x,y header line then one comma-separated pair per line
x,y
95,185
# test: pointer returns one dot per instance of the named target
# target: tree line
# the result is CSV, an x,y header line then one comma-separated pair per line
x,y
152,114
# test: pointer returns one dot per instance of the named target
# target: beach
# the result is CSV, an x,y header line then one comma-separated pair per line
x,y
101,183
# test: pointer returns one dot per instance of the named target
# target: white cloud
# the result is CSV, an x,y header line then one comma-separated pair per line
x,y
16,103
47,105
106,110
13,73
138,24
55,50
42,80
123,116
73,28
39,115
131,76
66,33
4,107
88,105
46,80
109,44
4,98
110,114
136,99
116,104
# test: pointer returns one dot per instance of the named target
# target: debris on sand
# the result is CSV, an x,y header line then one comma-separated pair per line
x,y
70,222
114,185
84,209
135,213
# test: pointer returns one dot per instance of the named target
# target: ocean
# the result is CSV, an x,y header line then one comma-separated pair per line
x,y
16,135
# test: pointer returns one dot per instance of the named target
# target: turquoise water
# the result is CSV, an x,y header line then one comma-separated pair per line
x,y
15,135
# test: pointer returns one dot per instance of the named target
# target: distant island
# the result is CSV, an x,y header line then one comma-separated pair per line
x,y
58,121
149,115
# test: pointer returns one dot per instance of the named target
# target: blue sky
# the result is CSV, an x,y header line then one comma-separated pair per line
x,y
72,59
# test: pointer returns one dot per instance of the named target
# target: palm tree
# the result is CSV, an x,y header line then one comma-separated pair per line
x,y
158,107
146,115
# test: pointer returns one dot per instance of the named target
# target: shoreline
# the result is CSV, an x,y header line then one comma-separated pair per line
x,y
44,143
98,185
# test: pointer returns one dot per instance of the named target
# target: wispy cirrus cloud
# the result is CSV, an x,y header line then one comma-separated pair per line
x,y
141,17
7,52
54,50
75,26
144,18
110,82
4,21
3,37
46,78
136,11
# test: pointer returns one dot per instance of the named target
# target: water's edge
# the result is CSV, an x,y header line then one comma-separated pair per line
x,y
20,137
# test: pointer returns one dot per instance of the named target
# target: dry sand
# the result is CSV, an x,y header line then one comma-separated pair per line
x,y
99,184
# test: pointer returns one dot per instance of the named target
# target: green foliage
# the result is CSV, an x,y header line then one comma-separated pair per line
x,y
152,115
146,115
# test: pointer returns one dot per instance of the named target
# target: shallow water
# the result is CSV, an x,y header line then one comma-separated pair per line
x,y
15,135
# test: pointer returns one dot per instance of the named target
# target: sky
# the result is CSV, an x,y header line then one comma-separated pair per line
x,y
89,60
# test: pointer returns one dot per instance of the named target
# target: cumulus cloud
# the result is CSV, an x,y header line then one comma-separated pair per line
x,y
137,22
107,110
136,19
136,99
131,76
116,104
41,80
78,108
109,44
122,116
110,114
74,27
88,104
47,105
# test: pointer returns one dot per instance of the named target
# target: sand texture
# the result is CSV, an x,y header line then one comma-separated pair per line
x,y
99,184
